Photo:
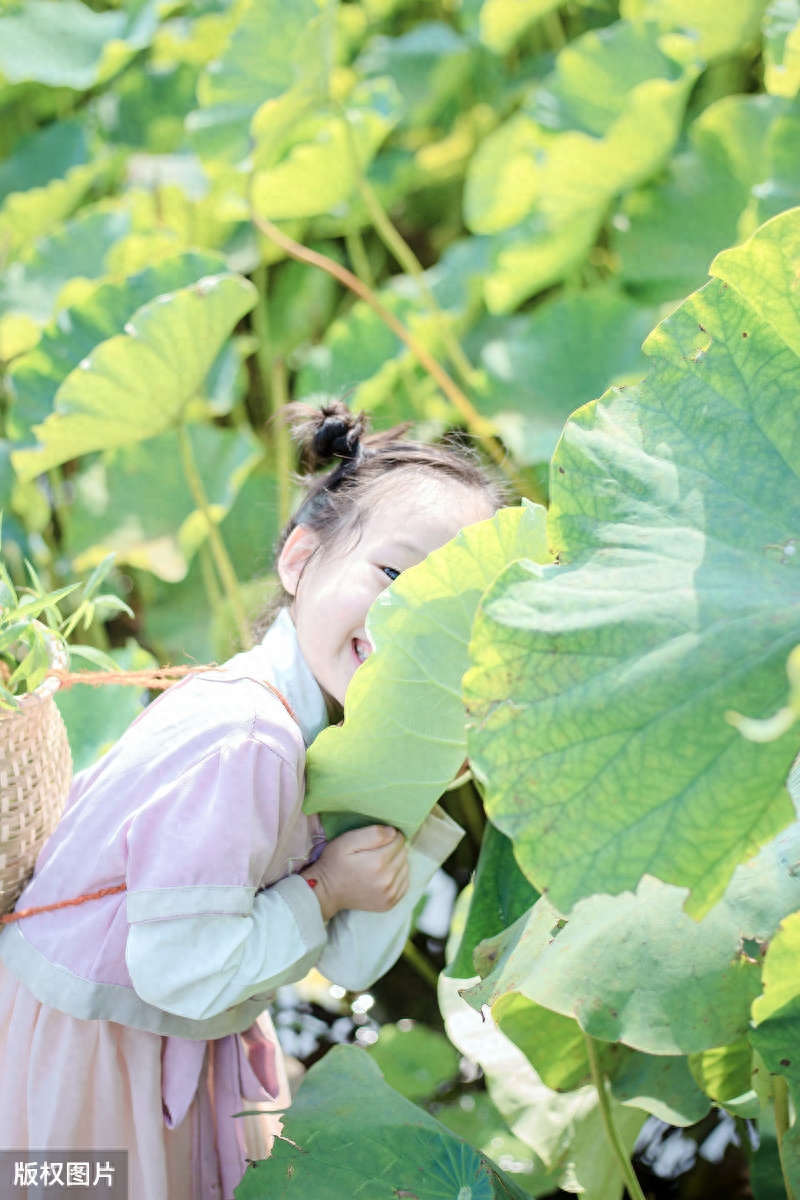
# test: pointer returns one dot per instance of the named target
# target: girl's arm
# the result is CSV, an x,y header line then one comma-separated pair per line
x,y
362,946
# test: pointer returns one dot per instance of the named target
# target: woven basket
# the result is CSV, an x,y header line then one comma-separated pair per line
x,y
35,775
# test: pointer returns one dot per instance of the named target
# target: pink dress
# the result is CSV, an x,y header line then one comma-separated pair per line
x,y
138,1021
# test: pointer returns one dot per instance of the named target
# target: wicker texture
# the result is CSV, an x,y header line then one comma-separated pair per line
x,y
35,775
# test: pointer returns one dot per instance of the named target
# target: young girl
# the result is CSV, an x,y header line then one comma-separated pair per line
x,y
136,1021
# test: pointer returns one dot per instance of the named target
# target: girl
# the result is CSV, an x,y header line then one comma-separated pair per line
x,y
136,1021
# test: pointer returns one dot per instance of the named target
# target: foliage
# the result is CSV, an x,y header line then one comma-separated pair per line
x,y
529,187
401,1149
28,648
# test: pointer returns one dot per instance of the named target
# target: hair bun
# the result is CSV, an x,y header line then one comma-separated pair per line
x,y
327,433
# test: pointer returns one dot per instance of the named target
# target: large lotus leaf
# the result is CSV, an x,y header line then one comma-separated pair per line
x,y
35,378
777,1034
137,384
349,1133
500,895
637,969
668,232
708,30
403,738
80,249
328,151
598,126
672,507
543,365
564,1130
475,1118
63,43
429,66
275,47
135,500
782,47
96,717
503,22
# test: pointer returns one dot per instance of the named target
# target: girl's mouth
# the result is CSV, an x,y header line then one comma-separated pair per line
x,y
361,650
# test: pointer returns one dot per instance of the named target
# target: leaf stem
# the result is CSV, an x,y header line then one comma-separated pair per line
x,y
359,260
612,1133
780,1096
475,422
283,444
218,549
420,964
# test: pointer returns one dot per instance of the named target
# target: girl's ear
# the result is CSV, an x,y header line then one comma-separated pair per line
x,y
293,558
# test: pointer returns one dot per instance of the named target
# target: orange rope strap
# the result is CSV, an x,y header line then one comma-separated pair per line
x,y
160,677
31,912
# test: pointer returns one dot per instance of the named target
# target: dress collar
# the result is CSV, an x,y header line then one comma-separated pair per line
x,y
283,665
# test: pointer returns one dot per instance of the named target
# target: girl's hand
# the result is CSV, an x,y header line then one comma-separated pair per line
x,y
366,868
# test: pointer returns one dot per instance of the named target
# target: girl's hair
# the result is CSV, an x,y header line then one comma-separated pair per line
x,y
367,467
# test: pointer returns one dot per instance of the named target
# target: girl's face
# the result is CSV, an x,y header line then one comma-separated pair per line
x,y
334,588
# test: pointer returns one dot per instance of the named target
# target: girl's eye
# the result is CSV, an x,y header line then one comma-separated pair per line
x,y
390,571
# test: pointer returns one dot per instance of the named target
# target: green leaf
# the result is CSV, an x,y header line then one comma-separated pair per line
x,y
274,48
713,29
63,43
661,1085
741,160
543,365
537,253
327,152
96,717
36,377
414,1061
605,120
43,156
500,895
683,987
674,604
429,65
135,503
503,22
564,1130
776,1014
724,1073
404,721
348,1132
782,47
179,621
90,654
135,385
80,249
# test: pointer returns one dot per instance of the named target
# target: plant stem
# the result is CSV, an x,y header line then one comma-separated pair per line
x,y
612,1133
477,424
210,581
218,549
262,332
780,1096
358,257
420,964
396,244
283,445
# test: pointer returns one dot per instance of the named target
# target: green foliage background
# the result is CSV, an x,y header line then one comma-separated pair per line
x,y
529,187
